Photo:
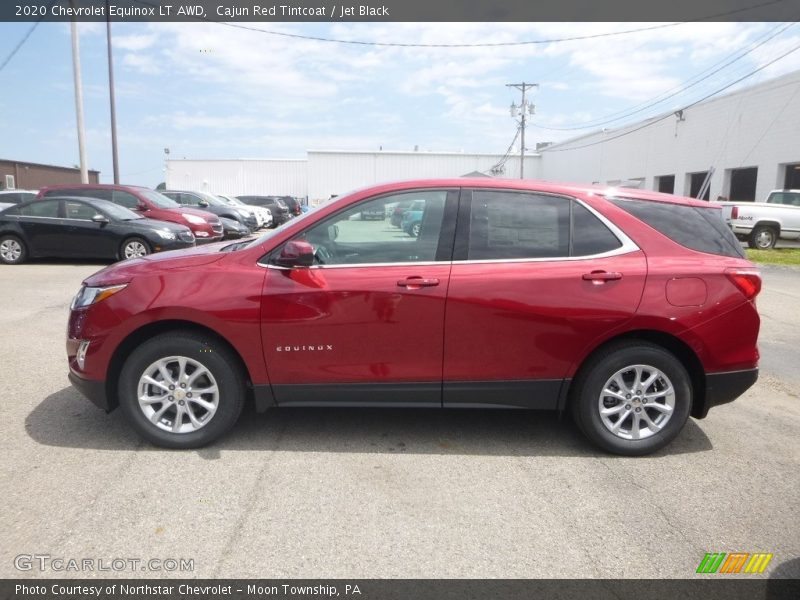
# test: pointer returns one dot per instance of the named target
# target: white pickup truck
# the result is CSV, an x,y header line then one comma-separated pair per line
x,y
761,224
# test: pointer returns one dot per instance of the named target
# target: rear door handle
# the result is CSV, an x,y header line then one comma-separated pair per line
x,y
598,277
414,283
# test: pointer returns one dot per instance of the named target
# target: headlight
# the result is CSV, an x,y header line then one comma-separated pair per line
x,y
194,219
92,295
165,235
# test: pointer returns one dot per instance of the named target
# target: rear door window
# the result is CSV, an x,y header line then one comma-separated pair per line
x,y
693,227
43,208
524,225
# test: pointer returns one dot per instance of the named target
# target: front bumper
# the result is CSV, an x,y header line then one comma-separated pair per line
x,y
722,388
95,391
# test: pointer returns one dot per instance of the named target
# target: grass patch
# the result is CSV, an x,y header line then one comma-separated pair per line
x,y
777,256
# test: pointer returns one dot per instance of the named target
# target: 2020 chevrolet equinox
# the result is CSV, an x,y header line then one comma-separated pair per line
x,y
631,309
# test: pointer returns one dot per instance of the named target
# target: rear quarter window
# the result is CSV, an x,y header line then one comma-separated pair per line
x,y
693,227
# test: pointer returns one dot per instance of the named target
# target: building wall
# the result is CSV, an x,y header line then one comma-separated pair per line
x,y
285,177
32,176
753,127
338,172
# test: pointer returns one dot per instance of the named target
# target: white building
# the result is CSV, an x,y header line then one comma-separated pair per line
x,y
749,139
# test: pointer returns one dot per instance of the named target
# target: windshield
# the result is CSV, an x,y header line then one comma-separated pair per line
x,y
211,199
227,200
119,213
160,200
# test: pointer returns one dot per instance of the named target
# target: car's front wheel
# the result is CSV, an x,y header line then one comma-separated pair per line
x,y
182,389
632,398
134,248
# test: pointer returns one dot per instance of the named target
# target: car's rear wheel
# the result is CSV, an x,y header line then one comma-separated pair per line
x,y
12,250
632,398
763,237
134,248
182,389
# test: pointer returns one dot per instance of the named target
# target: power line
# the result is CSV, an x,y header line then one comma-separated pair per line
x,y
501,163
700,77
688,106
477,45
24,39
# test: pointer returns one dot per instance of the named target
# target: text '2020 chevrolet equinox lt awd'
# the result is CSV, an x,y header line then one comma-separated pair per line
x,y
631,309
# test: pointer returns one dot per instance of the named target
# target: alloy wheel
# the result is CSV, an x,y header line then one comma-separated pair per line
x,y
10,250
135,249
178,394
636,402
765,239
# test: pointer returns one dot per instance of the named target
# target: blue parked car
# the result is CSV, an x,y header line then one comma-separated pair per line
x,y
412,218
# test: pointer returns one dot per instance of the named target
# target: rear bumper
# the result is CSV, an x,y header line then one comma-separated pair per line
x,y
95,391
722,388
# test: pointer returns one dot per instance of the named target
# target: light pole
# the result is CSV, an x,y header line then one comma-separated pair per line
x,y
112,101
76,73
522,111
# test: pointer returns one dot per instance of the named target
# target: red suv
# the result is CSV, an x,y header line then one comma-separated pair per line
x,y
631,309
205,226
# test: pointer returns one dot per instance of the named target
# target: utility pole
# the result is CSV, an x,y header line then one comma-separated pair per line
x,y
114,155
522,111
76,73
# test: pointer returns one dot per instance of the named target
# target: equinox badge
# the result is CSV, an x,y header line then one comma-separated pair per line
x,y
317,348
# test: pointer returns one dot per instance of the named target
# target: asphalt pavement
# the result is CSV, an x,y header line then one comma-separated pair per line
x,y
330,493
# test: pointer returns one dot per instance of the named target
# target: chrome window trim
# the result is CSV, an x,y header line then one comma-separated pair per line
x,y
627,245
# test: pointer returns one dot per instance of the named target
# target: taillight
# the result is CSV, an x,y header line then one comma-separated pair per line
x,y
735,212
747,280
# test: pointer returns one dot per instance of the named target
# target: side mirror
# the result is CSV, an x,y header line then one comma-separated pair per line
x,y
141,207
202,203
296,254
98,218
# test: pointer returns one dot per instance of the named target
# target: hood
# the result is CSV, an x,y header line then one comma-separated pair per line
x,y
125,270
156,224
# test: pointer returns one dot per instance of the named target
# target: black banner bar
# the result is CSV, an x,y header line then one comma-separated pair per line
x,y
399,10
711,587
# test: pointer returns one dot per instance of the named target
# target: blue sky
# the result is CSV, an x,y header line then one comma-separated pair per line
x,y
213,91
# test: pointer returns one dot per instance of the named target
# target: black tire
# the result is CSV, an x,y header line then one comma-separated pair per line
x,y
212,354
130,241
763,237
585,397
12,250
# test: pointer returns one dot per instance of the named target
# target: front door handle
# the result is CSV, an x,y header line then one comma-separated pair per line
x,y
600,277
415,283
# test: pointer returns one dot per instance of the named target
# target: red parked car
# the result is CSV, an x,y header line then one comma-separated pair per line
x,y
631,309
205,226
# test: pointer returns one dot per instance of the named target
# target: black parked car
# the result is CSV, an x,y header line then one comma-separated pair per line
x,y
233,229
214,205
83,228
280,211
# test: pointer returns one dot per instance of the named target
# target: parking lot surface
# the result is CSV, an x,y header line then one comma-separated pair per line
x,y
387,493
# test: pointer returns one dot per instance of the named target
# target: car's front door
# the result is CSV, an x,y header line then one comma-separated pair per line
x,y
87,238
365,323
536,279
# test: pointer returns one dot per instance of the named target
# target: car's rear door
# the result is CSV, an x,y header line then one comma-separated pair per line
x,y
536,279
364,325
43,226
